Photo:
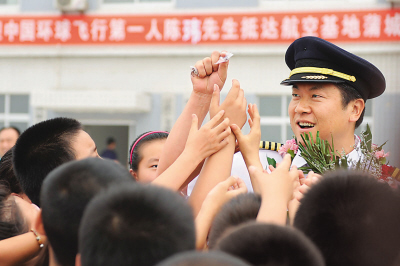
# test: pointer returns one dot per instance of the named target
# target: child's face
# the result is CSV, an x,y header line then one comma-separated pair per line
x,y
150,154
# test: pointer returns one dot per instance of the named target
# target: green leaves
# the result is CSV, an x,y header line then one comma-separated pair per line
x,y
271,161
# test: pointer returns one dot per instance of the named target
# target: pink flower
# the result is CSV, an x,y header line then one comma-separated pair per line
x,y
374,147
290,145
381,154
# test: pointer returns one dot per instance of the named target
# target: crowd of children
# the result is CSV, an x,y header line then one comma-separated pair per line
x,y
62,205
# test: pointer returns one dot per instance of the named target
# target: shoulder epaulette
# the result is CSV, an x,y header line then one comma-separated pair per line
x,y
269,145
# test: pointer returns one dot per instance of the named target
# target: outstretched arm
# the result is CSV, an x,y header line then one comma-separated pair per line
x,y
218,166
249,144
277,189
218,196
198,104
200,144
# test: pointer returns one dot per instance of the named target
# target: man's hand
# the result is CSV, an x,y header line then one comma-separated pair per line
x,y
210,74
234,104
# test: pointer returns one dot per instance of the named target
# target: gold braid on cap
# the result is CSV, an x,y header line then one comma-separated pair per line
x,y
325,71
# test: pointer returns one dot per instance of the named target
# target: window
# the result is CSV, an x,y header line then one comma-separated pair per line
x,y
8,2
14,111
275,122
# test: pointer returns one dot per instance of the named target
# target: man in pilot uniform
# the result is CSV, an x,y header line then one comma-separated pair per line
x,y
329,89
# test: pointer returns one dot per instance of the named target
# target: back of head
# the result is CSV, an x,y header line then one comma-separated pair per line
x,y
65,193
270,245
195,258
12,223
352,218
40,149
241,209
135,225
7,176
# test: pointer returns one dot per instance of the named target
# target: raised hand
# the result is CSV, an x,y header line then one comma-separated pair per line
x,y
210,74
234,104
210,138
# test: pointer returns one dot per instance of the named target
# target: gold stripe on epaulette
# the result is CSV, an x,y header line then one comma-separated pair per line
x,y
269,145
324,71
396,174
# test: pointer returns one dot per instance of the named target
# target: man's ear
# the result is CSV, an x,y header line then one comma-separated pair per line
x,y
78,260
357,106
38,224
133,174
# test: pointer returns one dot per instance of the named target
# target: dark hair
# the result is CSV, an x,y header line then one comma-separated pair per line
x,y
40,149
12,223
7,176
272,245
238,210
136,157
11,127
135,225
110,140
65,193
352,218
349,94
195,258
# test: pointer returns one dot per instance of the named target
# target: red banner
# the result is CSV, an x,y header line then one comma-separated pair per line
x,y
249,28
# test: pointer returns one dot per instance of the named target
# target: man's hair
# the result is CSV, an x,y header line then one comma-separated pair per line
x,y
135,225
272,245
12,223
65,193
349,94
238,210
196,258
7,176
40,149
352,218
11,127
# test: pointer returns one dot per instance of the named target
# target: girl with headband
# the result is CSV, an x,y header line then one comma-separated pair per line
x,y
144,155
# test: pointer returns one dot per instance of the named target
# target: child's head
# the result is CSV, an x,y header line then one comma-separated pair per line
x,y
65,193
195,258
238,210
144,155
7,175
135,225
16,214
352,218
270,245
46,145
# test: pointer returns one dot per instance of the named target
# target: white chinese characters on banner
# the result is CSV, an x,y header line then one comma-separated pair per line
x,y
117,29
372,26
249,28
269,28
309,26
11,30
392,25
62,30
44,30
351,26
27,29
211,29
329,27
154,32
172,29
229,29
83,29
290,27
98,29
191,30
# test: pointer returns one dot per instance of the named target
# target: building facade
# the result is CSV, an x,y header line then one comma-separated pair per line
x,y
122,67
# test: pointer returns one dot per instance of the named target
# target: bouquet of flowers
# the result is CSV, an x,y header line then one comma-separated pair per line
x,y
321,156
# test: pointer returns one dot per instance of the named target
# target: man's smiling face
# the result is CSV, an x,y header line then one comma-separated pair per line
x,y
318,107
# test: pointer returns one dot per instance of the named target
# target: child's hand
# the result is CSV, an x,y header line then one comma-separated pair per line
x,y
312,179
210,138
210,74
249,144
223,192
280,184
234,104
